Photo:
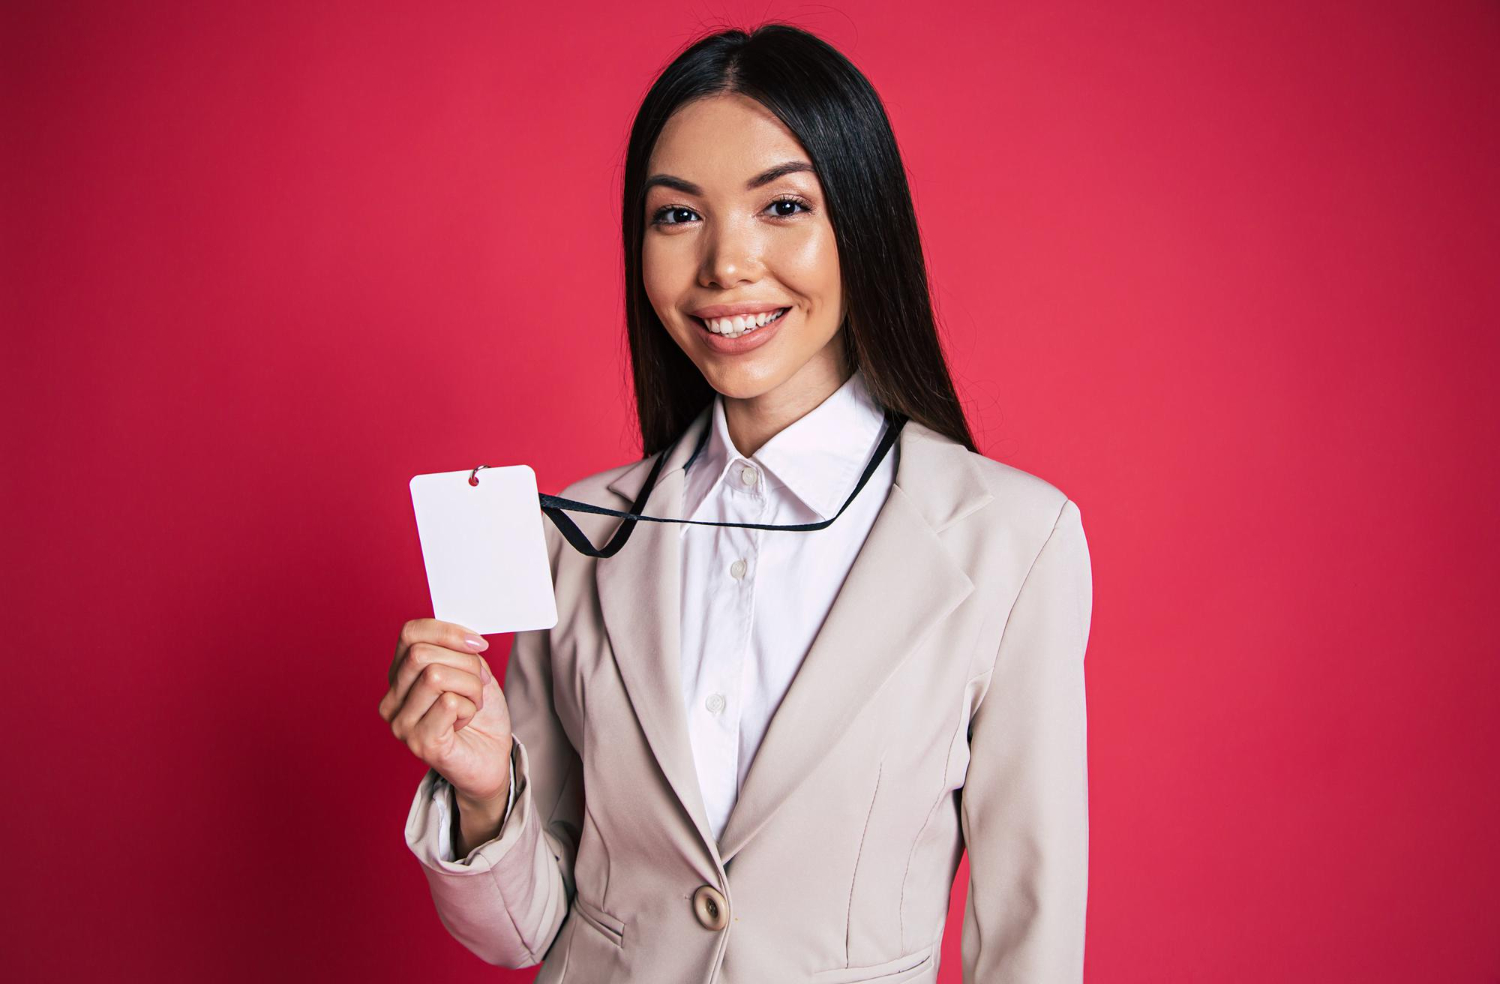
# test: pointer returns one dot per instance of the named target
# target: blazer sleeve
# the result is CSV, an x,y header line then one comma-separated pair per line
x,y
443,801
506,901
1025,796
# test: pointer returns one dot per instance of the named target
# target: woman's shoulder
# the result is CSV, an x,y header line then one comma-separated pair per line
x,y
594,490
1026,512
1018,500
1022,501
597,484
1019,491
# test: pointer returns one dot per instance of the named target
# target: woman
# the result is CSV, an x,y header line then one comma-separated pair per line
x,y
750,755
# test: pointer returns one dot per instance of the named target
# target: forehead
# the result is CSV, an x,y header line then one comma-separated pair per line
x,y
721,140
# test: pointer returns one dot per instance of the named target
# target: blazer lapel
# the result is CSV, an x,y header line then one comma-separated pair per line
x,y
877,619
902,583
640,596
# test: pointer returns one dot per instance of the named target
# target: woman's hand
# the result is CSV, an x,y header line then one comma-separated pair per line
x,y
448,708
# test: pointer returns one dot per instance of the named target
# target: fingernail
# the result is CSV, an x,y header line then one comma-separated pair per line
x,y
476,643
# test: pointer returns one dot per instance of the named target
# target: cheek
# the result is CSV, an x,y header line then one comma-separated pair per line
x,y
653,269
668,269
809,264
662,276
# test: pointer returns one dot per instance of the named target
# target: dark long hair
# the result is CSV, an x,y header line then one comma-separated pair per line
x,y
831,108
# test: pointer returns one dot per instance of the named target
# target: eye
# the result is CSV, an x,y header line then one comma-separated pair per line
x,y
660,216
788,200
670,215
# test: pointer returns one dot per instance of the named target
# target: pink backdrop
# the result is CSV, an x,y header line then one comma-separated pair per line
x,y
1225,273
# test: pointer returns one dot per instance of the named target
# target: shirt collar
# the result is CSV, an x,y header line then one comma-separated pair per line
x,y
818,457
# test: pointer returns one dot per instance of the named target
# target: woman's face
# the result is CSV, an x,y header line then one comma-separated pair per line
x,y
723,238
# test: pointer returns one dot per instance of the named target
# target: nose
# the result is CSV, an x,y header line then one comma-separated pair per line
x,y
731,256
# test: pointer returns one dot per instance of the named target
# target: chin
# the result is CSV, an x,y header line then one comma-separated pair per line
x,y
743,382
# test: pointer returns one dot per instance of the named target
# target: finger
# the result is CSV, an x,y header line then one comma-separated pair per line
x,y
439,722
433,682
423,655
449,635
456,674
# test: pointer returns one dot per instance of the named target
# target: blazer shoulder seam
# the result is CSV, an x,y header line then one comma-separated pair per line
x,y
1056,522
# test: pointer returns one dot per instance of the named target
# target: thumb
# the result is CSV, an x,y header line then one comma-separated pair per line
x,y
485,673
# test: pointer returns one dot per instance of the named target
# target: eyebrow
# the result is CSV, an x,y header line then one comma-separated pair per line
x,y
765,177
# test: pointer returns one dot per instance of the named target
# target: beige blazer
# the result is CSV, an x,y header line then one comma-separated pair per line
x,y
940,706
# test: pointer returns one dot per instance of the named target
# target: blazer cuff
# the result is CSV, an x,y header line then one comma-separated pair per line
x,y
429,823
444,806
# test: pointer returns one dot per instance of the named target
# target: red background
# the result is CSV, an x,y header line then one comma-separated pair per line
x,y
1225,273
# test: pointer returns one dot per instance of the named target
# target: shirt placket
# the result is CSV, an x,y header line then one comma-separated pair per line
x,y
722,694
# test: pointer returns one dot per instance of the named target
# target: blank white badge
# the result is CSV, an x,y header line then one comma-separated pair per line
x,y
483,546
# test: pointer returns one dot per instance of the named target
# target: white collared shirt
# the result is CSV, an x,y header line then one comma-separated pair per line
x,y
753,600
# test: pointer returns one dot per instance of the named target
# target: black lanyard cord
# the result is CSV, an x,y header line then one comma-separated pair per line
x,y
554,505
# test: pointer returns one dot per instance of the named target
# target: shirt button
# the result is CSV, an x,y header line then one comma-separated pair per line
x,y
737,569
747,475
715,703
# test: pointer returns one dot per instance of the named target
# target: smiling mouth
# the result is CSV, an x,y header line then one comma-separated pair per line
x,y
736,333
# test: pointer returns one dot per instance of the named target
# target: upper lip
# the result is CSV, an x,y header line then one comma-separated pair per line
x,y
734,310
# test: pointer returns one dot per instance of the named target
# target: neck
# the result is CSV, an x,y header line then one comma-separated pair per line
x,y
755,420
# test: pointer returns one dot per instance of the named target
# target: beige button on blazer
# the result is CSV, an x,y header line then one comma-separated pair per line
x,y
940,706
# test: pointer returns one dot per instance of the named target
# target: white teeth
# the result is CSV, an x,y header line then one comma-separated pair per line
x,y
739,325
